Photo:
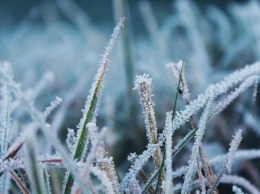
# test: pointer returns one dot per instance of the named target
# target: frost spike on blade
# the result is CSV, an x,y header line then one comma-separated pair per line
x,y
91,105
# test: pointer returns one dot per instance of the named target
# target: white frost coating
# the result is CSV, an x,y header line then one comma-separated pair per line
x,y
254,92
104,162
135,187
140,161
102,176
237,190
53,106
70,140
233,147
242,88
228,161
195,150
5,119
5,113
131,157
93,131
213,91
97,85
93,152
143,84
183,116
48,183
11,164
178,70
174,71
141,79
168,161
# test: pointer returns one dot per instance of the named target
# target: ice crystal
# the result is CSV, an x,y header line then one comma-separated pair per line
x,y
237,190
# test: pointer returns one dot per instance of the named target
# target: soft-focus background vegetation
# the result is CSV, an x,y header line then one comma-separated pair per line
x,y
55,47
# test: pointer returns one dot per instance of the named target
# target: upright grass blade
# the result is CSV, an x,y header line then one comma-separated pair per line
x,y
89,114
5,125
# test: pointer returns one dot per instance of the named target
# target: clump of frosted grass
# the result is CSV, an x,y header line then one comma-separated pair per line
x,y
97,162
88,164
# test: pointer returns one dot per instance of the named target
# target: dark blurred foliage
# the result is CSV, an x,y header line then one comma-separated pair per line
x,y
99,11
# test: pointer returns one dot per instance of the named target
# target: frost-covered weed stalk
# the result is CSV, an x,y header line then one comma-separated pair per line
x,y
34,161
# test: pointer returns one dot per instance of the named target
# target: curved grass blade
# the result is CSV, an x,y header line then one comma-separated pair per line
x,y
91,106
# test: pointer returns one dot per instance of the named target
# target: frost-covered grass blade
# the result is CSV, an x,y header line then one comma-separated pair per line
x,y
91,105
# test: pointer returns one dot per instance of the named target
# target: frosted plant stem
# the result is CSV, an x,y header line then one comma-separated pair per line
x,y
228,161
140,161
254,97
230,98
213,91
168,161
143,83
4,129
5,120
181,117
91,106
178,68
104,160
101,175
195,149
158,172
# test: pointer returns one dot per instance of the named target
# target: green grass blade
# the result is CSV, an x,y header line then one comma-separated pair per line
x,y
91,107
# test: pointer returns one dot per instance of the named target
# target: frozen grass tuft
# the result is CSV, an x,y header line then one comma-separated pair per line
x,y
33,158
